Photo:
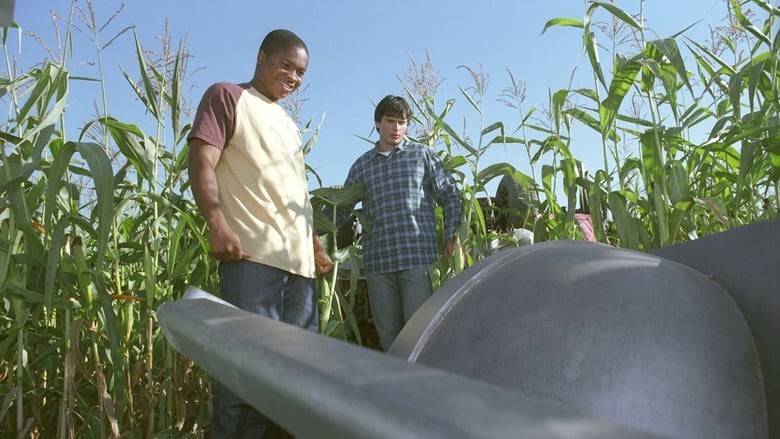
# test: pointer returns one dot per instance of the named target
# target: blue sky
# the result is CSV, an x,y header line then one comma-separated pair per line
x,y
358,49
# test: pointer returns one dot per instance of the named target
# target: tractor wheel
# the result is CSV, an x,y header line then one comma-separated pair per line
x,y
516,204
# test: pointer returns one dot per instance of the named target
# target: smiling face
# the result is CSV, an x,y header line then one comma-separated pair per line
x,y
281,73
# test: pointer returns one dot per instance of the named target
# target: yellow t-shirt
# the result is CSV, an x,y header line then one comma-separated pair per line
x,y
261,175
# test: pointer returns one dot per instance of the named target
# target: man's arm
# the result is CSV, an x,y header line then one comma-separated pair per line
x,y
448,196
224,243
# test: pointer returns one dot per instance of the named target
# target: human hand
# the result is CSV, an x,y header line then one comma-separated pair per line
x,y
322,261
225,244
449,248
459,262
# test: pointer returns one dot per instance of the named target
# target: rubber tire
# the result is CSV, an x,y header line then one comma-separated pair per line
x,y
517,201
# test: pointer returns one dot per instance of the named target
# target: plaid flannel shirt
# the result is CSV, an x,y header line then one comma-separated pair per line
x,y
401,193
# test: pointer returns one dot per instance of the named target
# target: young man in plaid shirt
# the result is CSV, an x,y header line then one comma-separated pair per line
x,y
403,183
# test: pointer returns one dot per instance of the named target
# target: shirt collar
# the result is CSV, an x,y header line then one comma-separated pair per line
x,y
401,147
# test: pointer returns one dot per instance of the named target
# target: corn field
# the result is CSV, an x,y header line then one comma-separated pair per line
x,y
98,228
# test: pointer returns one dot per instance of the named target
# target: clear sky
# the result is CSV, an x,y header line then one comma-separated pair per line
x,y
358,49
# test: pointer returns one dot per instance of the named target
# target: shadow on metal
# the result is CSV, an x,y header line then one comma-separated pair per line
x,y
562,339
319,387
617,334
746,262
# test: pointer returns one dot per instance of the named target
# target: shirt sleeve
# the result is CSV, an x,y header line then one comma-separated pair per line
x,y
215,116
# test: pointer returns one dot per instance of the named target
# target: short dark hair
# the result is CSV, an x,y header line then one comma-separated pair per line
x,y
280,39
393,106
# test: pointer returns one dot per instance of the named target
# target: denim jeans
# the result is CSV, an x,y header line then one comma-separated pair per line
x,y
394,298
272,293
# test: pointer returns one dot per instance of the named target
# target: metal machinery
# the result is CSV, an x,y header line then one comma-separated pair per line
x,y
560,339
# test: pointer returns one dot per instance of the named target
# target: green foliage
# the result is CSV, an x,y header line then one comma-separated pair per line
x,y
676,189
90,246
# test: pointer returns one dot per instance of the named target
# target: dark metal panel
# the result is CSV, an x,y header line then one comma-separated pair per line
x,y
6,13
318,387
618,334
746,262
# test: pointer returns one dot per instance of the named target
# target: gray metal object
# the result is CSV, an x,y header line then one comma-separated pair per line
x,y
562,339
6,13
621,335
746,262
319,387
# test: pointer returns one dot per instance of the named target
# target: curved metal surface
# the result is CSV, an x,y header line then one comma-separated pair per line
x,y
319,387
627,336
745,262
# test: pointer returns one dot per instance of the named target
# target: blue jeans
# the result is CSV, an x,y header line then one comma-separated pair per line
x,y
394,298
272,293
